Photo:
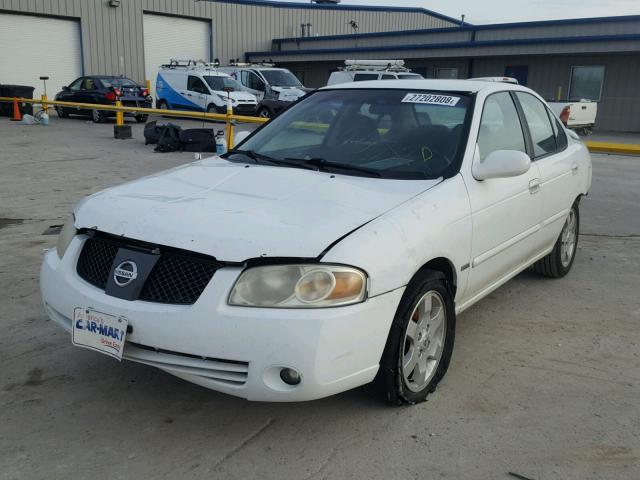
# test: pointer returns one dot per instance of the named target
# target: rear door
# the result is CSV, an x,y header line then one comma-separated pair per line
x,y
557,163
505,211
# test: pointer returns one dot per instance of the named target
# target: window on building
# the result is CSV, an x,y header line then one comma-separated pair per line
x,y
500,127
586,83
542,135
446,73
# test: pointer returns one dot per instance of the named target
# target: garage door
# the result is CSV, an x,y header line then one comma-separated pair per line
x,y
172,37
32,47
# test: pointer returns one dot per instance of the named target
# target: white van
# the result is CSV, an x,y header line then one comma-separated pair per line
x,y
200,87
362,70
267,82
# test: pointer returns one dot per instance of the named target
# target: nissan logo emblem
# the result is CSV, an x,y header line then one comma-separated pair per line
x,y
125,273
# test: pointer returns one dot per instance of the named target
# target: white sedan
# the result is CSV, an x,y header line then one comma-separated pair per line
x,y
332,248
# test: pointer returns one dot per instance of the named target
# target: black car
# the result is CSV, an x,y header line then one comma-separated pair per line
x,y
103,90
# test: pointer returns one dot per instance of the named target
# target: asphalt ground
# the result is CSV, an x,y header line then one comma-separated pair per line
x,y
544,381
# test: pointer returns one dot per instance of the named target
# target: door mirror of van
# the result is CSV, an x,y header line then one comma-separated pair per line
x,y
501,164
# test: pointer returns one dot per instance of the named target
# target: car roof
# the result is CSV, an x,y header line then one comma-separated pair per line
x,y
428,84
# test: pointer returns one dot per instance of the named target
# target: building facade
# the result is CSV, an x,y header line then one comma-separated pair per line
x,y
598,59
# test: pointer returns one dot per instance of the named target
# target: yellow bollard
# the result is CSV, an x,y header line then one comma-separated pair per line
x,y
148,85
230,124
43,101
119,114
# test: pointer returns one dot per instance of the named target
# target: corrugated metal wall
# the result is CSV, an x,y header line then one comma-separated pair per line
x,y
112,38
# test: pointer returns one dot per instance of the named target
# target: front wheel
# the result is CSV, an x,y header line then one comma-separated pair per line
x,y
61,112
558,263
141,118
420,342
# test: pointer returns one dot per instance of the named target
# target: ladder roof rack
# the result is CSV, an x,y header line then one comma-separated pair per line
x,y
379,65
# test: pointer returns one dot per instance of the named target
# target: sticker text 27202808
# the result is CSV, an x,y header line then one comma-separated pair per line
x,y
431,99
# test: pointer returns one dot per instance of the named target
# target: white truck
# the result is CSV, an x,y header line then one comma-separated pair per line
x,y
579,116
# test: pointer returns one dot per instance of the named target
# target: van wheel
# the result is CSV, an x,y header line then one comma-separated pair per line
x,y
98,116
558,263
420,342
141,118
163,105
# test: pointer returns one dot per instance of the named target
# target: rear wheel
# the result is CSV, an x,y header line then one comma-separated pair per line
x,y
558,263
162,105
98,116
264,113
420,342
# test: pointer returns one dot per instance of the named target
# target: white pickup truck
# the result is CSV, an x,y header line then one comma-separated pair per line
x,y
579,116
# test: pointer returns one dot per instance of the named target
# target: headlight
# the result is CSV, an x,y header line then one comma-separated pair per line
x,y
299,286
66,235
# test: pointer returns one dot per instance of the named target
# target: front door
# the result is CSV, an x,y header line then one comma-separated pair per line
x,y
253,83
197,94
505,211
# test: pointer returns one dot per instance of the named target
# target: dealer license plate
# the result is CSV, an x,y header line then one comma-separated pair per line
x,y
99,331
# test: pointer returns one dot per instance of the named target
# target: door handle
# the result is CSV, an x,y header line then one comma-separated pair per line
x,y
188,94
574,168
534,186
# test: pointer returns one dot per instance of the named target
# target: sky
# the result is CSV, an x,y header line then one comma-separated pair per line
x,y
498,11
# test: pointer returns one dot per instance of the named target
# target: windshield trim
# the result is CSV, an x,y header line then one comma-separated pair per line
x,y
451,171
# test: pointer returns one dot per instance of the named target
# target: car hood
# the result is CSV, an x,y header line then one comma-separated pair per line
x,y
288,94
235,212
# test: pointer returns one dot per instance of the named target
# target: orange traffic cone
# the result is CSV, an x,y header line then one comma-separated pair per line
x,y
17,117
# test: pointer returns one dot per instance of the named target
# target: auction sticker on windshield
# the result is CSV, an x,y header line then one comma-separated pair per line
x,y
431,99
99,331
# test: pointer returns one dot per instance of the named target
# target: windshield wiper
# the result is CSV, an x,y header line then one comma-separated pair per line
x,y
261,159
327,166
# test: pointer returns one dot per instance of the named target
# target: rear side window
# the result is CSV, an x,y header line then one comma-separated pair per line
x,y
500,127
558,131
387,76
361,77
542,135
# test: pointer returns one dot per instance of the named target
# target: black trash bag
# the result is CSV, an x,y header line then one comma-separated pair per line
x,y
169,141
152,133
198,140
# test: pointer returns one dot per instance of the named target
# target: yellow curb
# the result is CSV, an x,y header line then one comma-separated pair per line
x,y
606,147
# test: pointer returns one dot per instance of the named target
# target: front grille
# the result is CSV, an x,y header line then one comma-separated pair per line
x,y
178,277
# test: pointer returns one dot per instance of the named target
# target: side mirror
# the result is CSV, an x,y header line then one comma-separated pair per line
x,y
240,137
501,164
65,89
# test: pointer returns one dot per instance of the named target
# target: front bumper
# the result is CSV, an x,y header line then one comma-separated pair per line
x,y
235,350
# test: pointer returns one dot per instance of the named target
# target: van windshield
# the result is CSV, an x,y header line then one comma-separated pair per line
x,y
408,134
281,78
220,83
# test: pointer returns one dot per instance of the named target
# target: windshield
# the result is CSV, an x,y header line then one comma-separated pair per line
x,y
220,83
281,78
407,134
118,82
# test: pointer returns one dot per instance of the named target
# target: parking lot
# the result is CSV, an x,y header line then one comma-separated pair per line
x,y
544,381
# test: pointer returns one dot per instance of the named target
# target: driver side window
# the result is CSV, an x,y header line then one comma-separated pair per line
x,y
75,86
500,127
196,85
252,81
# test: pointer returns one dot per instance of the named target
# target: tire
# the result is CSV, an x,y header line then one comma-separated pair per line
x,y
264,113
414,341
558,263
61,112
98,116
212,109
163,105
141,118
